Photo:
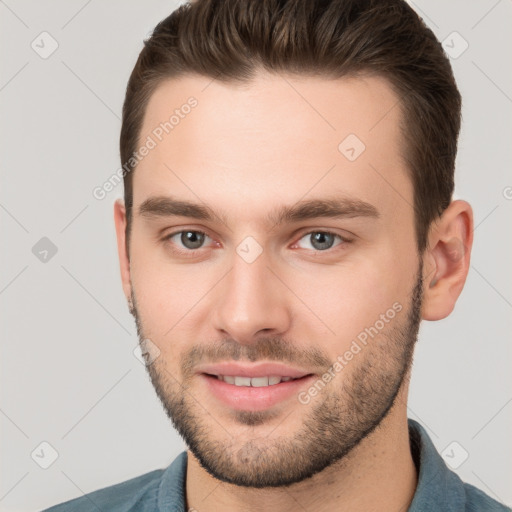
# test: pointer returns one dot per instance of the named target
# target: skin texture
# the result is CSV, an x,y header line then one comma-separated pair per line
x,y
245,151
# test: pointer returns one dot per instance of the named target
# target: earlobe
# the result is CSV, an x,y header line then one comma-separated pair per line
x,y
124,263
448,257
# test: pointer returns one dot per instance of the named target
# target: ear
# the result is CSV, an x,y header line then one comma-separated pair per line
x,y
447,260
124,262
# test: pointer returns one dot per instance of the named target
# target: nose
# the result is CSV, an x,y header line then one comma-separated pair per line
x,y
252,301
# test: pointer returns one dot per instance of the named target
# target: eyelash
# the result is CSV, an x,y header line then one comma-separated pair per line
x,y
192,252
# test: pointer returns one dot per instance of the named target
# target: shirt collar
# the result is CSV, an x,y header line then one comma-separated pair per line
x,y
171,492
438,487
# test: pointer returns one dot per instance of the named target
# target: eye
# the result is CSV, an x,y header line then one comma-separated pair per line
x,y
190,239
322,240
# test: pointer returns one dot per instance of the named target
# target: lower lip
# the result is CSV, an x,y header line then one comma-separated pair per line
x,y
254,398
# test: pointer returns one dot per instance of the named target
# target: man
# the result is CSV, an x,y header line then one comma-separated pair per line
x,y
287,224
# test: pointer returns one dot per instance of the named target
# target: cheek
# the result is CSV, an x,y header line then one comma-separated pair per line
x,y
169,296
341,301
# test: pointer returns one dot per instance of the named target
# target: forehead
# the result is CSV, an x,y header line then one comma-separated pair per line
x,y
274,140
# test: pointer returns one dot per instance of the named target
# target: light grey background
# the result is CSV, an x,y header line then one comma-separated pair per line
x,y
69,376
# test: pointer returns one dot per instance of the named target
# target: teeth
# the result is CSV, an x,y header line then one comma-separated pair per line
x,y
242,381
258,382
255,382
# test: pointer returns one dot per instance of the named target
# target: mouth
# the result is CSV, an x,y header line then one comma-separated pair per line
x,y
239,392
255,382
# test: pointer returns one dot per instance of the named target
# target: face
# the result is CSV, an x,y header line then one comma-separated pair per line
x,y
296,259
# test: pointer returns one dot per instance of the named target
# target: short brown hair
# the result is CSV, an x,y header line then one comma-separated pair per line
x,y
229,40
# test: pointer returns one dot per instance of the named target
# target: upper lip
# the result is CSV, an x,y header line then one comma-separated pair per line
x,y
253,370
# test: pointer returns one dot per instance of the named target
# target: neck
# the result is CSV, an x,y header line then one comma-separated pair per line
x,y
377,475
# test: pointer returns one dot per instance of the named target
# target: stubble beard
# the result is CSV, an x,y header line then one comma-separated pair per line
x,y
347,410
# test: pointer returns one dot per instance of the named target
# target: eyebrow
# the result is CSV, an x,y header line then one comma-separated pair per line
x,y
344,207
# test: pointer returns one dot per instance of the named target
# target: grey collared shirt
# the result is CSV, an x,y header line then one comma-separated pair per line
x,y
439,489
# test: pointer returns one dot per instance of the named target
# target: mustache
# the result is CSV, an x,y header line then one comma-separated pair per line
x,y
274,349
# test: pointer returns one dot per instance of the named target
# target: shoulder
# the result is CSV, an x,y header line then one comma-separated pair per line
x,y
439,487
139,493
161,489
478,501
